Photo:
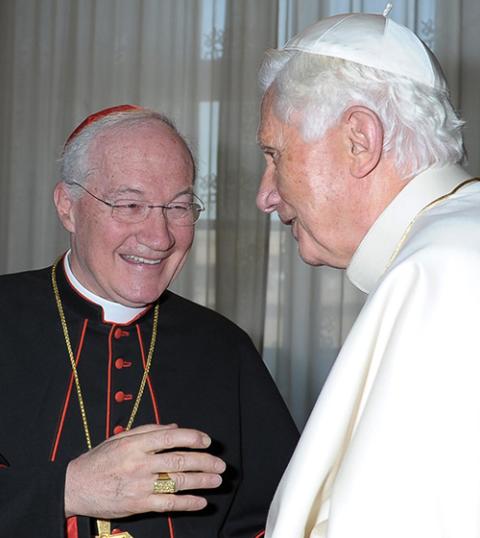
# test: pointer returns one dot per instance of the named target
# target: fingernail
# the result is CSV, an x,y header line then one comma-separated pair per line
x,y
216,481
201,503
206,440
220,466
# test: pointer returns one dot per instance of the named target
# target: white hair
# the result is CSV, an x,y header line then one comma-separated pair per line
x,y
421,127
75,165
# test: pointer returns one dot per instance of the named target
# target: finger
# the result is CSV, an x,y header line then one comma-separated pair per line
x,y
186,461
146,428
189,481
168,438
176,503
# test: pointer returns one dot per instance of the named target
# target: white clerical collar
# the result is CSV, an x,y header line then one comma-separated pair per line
x,y
377,247
112,312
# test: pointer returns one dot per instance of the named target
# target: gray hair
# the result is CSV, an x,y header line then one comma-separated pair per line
x,y
75,166
421,126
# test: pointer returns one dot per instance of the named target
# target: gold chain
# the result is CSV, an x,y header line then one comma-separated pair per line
x,y
81,403
103,526
432,204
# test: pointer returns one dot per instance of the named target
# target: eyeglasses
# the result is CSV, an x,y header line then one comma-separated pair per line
x,y
134,211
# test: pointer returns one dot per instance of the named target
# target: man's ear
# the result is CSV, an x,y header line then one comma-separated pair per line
x,y
64,204
365,132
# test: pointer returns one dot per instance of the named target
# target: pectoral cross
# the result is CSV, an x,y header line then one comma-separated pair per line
x,y
104,531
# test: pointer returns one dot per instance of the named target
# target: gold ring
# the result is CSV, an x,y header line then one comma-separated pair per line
x,y
164,484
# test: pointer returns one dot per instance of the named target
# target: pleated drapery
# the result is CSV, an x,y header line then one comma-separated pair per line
x,y
196,61
310,310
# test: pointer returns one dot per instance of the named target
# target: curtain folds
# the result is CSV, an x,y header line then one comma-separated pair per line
x,y
310,310
196,61
242,231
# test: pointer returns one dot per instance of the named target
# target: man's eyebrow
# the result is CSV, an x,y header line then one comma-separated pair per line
x,y
188,190
264,147
258,140
267,149
132,190
123,190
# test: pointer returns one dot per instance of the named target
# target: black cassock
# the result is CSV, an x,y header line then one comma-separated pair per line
x,y
205,374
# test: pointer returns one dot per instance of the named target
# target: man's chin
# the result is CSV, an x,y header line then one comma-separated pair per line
x,y
137,301
308,254
309,258
318,259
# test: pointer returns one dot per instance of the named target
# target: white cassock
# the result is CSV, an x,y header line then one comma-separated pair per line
x,y
392,447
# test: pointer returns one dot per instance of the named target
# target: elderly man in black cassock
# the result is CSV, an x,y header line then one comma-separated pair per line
x,y
126,409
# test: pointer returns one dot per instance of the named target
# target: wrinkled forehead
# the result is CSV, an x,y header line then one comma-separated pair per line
x,y
149,149
271,127
267,112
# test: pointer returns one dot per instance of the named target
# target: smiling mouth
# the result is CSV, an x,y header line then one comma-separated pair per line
x,y
139,260
287,221
294,228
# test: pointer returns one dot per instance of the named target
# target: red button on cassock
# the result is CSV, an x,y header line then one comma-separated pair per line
x,y
118,333
122,363
118,429
121,396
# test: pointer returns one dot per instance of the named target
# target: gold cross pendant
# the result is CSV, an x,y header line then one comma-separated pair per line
x,y
104,531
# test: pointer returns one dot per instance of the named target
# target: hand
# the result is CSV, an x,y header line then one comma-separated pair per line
x,y
115,479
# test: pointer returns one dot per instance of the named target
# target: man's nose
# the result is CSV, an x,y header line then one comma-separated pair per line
x,y
267,196
155,231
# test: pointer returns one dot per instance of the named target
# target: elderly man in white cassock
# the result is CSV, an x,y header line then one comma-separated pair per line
x,y
362,147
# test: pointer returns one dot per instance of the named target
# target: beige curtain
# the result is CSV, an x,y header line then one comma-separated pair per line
x,y
63,59
242,231
310,310
196,61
